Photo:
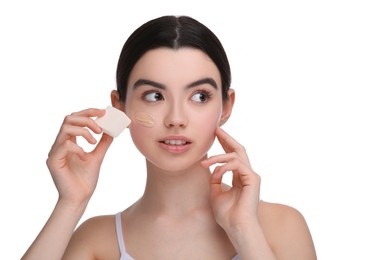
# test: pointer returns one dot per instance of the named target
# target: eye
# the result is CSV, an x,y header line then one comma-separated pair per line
x,y
201,96
153,96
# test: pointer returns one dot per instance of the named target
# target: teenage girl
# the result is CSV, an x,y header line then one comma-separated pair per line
x,y
175,70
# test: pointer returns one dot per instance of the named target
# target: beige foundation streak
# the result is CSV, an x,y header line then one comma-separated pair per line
x,y
144,119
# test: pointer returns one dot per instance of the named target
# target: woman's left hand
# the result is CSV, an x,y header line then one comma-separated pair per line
x,y
237,206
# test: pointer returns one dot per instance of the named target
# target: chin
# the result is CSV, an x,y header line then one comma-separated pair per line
x,y
175,165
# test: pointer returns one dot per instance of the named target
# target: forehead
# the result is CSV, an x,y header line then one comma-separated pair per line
x,y
175,67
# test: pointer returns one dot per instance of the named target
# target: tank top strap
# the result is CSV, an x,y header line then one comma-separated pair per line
x,y
119,235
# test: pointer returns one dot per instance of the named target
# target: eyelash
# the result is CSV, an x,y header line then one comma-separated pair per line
x,y
146,93
206,92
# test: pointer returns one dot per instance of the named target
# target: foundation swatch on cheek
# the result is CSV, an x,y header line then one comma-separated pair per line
x,y
144,119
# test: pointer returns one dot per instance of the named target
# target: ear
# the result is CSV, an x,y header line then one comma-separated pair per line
x,y
227,107
115,101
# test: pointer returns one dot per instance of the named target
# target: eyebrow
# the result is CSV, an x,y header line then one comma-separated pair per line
x,y
196,83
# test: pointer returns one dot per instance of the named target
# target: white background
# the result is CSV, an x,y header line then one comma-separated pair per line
x,y
312,81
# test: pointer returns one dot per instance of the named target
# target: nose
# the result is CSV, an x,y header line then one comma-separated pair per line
x,y
176,117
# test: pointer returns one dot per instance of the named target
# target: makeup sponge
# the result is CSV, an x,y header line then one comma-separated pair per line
x,y
113,122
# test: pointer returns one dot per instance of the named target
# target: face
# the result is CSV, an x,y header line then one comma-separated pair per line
x,y
181,91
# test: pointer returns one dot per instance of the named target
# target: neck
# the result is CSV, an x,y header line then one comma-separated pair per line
x,y
176,192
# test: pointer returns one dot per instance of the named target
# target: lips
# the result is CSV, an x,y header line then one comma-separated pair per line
x,y
176,144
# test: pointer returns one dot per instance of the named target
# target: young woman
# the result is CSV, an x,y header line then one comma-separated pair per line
x,y
175,70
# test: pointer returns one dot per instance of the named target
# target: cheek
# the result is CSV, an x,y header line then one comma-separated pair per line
x,y
210,119
205,128
138,134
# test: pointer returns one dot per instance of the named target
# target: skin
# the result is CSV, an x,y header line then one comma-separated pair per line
x,y
186,211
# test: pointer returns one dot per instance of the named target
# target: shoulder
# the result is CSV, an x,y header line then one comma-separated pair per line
x,y
96,226
286,230
278,212
94,238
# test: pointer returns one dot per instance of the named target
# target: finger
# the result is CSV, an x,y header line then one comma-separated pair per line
x,y
242,174
69,131
90,112
229,144
236,180
221,158
103,145
222,169
244,179
82,121
215,183
63,151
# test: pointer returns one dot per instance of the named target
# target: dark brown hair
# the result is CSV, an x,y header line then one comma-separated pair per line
x,y
173,32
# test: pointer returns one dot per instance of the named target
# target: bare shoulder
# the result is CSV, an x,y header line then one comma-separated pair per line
x,y
286,231
94,239
278,212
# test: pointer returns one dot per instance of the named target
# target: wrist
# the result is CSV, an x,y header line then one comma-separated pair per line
x,y
71,206
249,241
238,232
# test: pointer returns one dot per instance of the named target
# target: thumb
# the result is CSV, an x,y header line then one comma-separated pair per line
x,y
103,145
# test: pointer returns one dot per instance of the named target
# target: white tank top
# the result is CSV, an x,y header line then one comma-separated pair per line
x,y
121,243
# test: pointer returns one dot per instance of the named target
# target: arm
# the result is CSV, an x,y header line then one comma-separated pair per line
x,y
53,239
281,227
238,212
287,231
75,174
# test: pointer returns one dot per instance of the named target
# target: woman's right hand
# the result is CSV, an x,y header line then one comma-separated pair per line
x,y
74,171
